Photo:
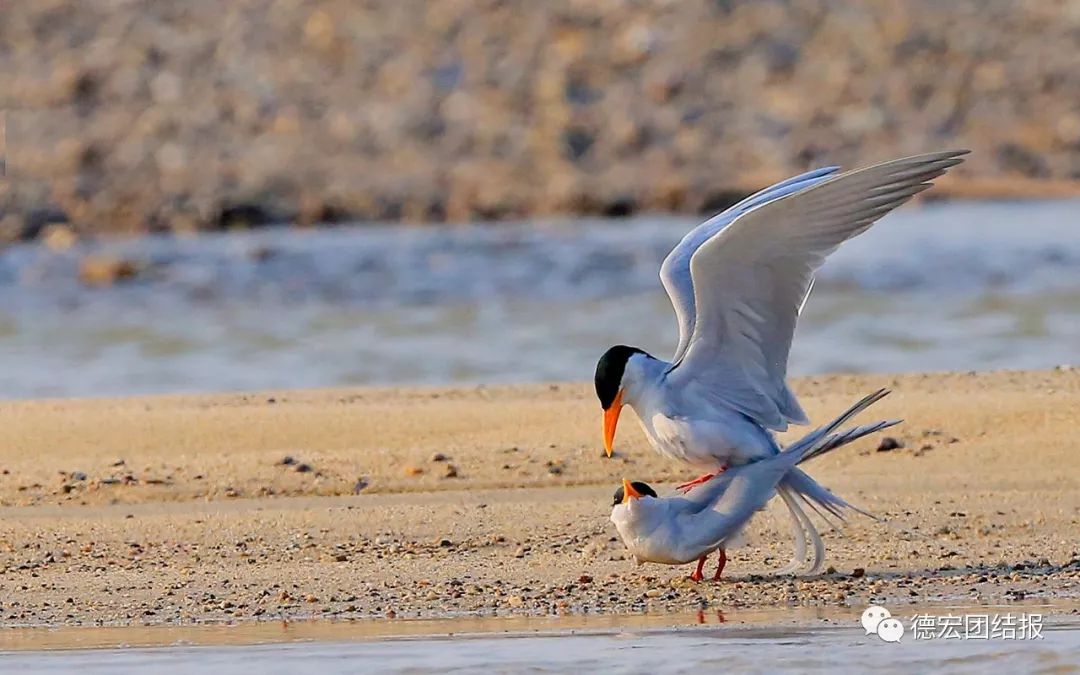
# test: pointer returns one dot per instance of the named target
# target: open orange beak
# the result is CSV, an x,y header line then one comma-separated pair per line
x,y
611,420
629,492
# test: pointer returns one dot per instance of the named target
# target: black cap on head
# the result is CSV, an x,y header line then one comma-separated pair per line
x,y
642,488
609,372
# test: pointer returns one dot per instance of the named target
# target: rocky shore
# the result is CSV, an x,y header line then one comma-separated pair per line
x,y
137,117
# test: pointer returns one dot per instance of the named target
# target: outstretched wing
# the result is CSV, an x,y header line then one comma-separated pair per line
x,y
675,270
751,277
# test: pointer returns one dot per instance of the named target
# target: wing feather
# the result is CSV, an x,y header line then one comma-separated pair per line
x,y
675,270
751,276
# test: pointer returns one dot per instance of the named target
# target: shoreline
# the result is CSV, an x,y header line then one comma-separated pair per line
x,y
53,228
204,522
766,623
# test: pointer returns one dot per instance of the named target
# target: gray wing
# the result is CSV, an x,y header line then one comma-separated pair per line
x,y
675,270
751,277
727,503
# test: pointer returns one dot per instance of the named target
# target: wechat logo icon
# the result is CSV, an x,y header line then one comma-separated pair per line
x,y
877,620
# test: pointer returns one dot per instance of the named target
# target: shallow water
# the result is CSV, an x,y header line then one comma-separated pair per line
x,y
956,286
641,644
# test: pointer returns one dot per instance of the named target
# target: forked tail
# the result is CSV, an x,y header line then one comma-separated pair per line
x,y
797,484
825,438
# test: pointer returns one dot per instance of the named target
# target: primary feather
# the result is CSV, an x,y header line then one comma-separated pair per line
x,y
749,271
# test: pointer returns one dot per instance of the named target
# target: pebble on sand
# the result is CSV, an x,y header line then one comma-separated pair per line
x,y
889,443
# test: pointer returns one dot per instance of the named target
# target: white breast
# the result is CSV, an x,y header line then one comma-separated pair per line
x,y
727,439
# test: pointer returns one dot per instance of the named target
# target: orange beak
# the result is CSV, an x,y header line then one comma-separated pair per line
x,y
611,420
629,492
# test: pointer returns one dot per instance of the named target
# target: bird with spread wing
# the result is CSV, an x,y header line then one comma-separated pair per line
x,y
738,283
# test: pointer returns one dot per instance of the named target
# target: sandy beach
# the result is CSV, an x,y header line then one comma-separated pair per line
x,y
495,501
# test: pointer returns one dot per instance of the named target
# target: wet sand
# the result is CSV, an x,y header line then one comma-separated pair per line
x,y
185,509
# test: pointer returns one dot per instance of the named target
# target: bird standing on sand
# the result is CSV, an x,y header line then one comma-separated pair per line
x,y
679,529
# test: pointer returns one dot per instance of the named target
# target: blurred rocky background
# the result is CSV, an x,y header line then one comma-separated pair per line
x,y
133,116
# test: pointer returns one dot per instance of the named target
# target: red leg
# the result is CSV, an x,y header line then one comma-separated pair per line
x,y
697,575
720,565
685,487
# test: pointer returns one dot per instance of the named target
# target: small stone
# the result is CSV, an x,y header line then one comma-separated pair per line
x,y
106,270
439,457
303,468
359,486
515,601
445,543
311,598
78,475
451,471
520,553
287,460
653,593
413,471
58,236
889,443
584,579
858,572
830,570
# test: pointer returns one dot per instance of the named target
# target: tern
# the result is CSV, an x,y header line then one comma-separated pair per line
x,y
679,529
738,283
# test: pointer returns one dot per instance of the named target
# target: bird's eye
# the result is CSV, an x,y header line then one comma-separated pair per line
x,y
618,497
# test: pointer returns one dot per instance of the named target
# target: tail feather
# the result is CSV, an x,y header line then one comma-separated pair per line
x,y
836,440
818,438
823,512
804,531
821,441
